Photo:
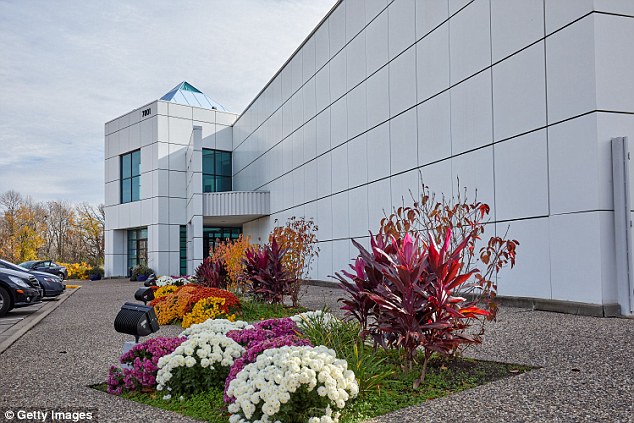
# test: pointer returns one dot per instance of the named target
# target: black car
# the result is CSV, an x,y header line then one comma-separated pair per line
x,y
18,289
51,284
48,266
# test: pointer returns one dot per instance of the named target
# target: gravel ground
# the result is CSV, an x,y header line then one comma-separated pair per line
x,y
586,365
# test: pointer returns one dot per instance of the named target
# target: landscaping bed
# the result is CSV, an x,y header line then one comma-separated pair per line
x,y
445,377
412,301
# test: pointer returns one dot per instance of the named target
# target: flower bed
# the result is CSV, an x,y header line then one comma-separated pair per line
x,y
221,370
174,306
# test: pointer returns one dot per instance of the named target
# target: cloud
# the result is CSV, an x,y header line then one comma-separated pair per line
x,y
68,67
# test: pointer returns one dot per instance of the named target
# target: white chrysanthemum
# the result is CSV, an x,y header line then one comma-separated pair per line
x,y
187,354
168,280
277,373
317,316
218,326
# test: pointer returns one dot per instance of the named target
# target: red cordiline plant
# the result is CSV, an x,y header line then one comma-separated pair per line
x,y
404,291
265,274
212,273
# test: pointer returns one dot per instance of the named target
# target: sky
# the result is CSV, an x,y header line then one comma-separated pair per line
x,y
69,66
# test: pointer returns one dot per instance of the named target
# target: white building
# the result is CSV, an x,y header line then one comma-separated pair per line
x,y
518,98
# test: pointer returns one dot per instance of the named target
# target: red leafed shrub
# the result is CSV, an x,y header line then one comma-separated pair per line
x,y
212,273
407,291
265,274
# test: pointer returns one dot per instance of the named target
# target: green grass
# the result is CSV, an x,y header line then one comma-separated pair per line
x,y
444,377
253,311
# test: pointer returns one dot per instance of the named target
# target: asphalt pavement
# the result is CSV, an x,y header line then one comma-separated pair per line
x,y
586,365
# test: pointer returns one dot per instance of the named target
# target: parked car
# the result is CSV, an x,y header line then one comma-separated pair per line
x,y
18,289
51,284
48,266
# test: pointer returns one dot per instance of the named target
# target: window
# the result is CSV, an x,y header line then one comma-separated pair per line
x,y
216,170
131,176
137,247
183,250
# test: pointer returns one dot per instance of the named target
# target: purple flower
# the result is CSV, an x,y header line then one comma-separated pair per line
x,y
144,361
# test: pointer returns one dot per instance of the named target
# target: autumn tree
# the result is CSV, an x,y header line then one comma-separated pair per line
x,y
54,230
231,253
299,237
90,224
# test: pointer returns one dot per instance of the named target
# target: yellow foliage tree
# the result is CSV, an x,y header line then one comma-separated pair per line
x,y
231,252
298,236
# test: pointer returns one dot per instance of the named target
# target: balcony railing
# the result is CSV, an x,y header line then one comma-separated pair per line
x,y
250,204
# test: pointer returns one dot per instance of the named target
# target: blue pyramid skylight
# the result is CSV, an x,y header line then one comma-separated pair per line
x,y
185,93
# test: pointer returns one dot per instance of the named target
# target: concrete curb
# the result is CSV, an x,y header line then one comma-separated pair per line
x,y
29,322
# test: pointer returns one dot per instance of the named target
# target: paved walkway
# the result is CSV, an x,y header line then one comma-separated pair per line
x,y
586,374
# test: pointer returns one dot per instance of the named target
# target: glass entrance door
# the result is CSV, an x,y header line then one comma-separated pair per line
x,y
212,235
137,247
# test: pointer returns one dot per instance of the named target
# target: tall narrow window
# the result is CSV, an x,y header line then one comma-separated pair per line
x,y
137,247
131,176
183,250
216,170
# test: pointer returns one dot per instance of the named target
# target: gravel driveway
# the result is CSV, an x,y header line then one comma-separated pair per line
x,y
586,374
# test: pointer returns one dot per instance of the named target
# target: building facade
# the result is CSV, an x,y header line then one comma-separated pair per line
x,y
517,99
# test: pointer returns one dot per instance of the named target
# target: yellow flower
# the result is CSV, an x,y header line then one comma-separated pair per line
x,y
205,309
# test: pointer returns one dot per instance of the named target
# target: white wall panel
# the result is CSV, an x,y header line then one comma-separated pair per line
x,y
470,40
531,275
430,14
403,82
322,46
357,161
378,140
322,88
576,239
358,211
561,12
519,93
403,143
432,63
322,122
521,177
514,25
378,99
340,210
402,25
338,122
339,168
337,29
438,177
434,129
475,172
471,114
324,174
310,100
356,61
323,267
338,75
324,216
308,59
571,65
376,43
355,17
379,203
356,104
614,61
579,184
